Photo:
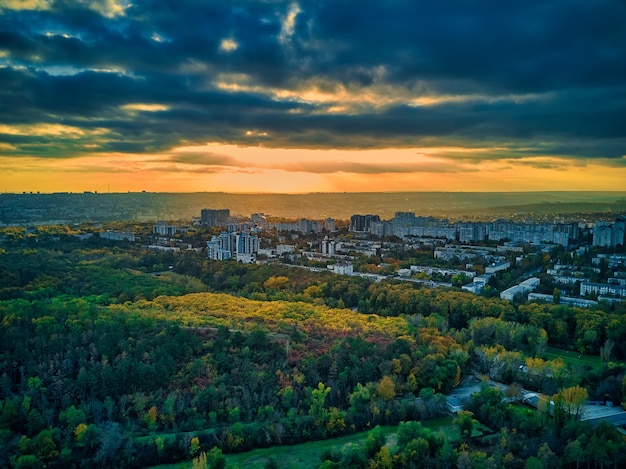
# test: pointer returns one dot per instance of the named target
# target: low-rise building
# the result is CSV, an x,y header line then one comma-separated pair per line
x,y
157,247
343,268
162,229
568,279
566,300
269,252
285,248
478,283
117,235
447,272
613,260
497,267
588,288
518,290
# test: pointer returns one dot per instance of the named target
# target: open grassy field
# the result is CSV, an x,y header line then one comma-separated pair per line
x,y
305,455
573,358
308,454
300,455
291,456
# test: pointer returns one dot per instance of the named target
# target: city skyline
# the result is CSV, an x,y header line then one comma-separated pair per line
x,y
300,97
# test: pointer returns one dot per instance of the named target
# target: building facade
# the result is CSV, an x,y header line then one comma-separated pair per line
x,y
214,217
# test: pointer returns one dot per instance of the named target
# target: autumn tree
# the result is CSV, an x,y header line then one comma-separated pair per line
x,y
574,401
386,388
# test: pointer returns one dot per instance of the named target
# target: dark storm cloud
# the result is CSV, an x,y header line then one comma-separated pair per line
x,y
480,45
533,78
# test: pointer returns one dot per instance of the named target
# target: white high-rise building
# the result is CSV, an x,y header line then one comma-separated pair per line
x,y
328,246
241,246
221,247
247,246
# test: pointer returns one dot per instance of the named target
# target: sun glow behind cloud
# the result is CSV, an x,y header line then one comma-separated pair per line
x,y
336,97
145,107
25,4
230,168
228,45
46,130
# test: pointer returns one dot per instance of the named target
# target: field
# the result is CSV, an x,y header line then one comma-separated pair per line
x,y
575,359
298,456
308,454
291,456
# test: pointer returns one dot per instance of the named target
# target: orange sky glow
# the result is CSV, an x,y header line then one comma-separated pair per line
x,y
271,170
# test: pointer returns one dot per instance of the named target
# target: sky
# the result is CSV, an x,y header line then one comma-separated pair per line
x,y
312,96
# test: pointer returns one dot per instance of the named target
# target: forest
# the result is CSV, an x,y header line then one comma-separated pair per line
x,y
110,358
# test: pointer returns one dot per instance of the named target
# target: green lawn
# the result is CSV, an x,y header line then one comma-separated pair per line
x,y
291,456
300,455
573,358
447,425
305,455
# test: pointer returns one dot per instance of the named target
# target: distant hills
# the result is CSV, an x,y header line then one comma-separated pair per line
x,y
146,206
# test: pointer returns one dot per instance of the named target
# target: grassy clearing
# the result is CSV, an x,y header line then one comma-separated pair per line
x,y
308,454
291,457
573,358
300,455
447,425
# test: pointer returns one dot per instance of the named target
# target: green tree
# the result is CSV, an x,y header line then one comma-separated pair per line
x,y
465,422
194,447
374,441
381,460
534,463
318,398
234,436
72,416
215,459
352,457
574,453
44,446
28,461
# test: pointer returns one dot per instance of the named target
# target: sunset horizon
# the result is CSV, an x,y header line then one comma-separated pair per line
x,y
312,234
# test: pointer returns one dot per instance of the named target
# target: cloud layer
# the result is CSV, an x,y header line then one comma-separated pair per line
x,y
542,82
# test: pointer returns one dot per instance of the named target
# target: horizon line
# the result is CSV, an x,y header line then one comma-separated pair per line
x,y
314,193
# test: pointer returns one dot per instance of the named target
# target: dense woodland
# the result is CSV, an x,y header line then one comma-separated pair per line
x,y
111,359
